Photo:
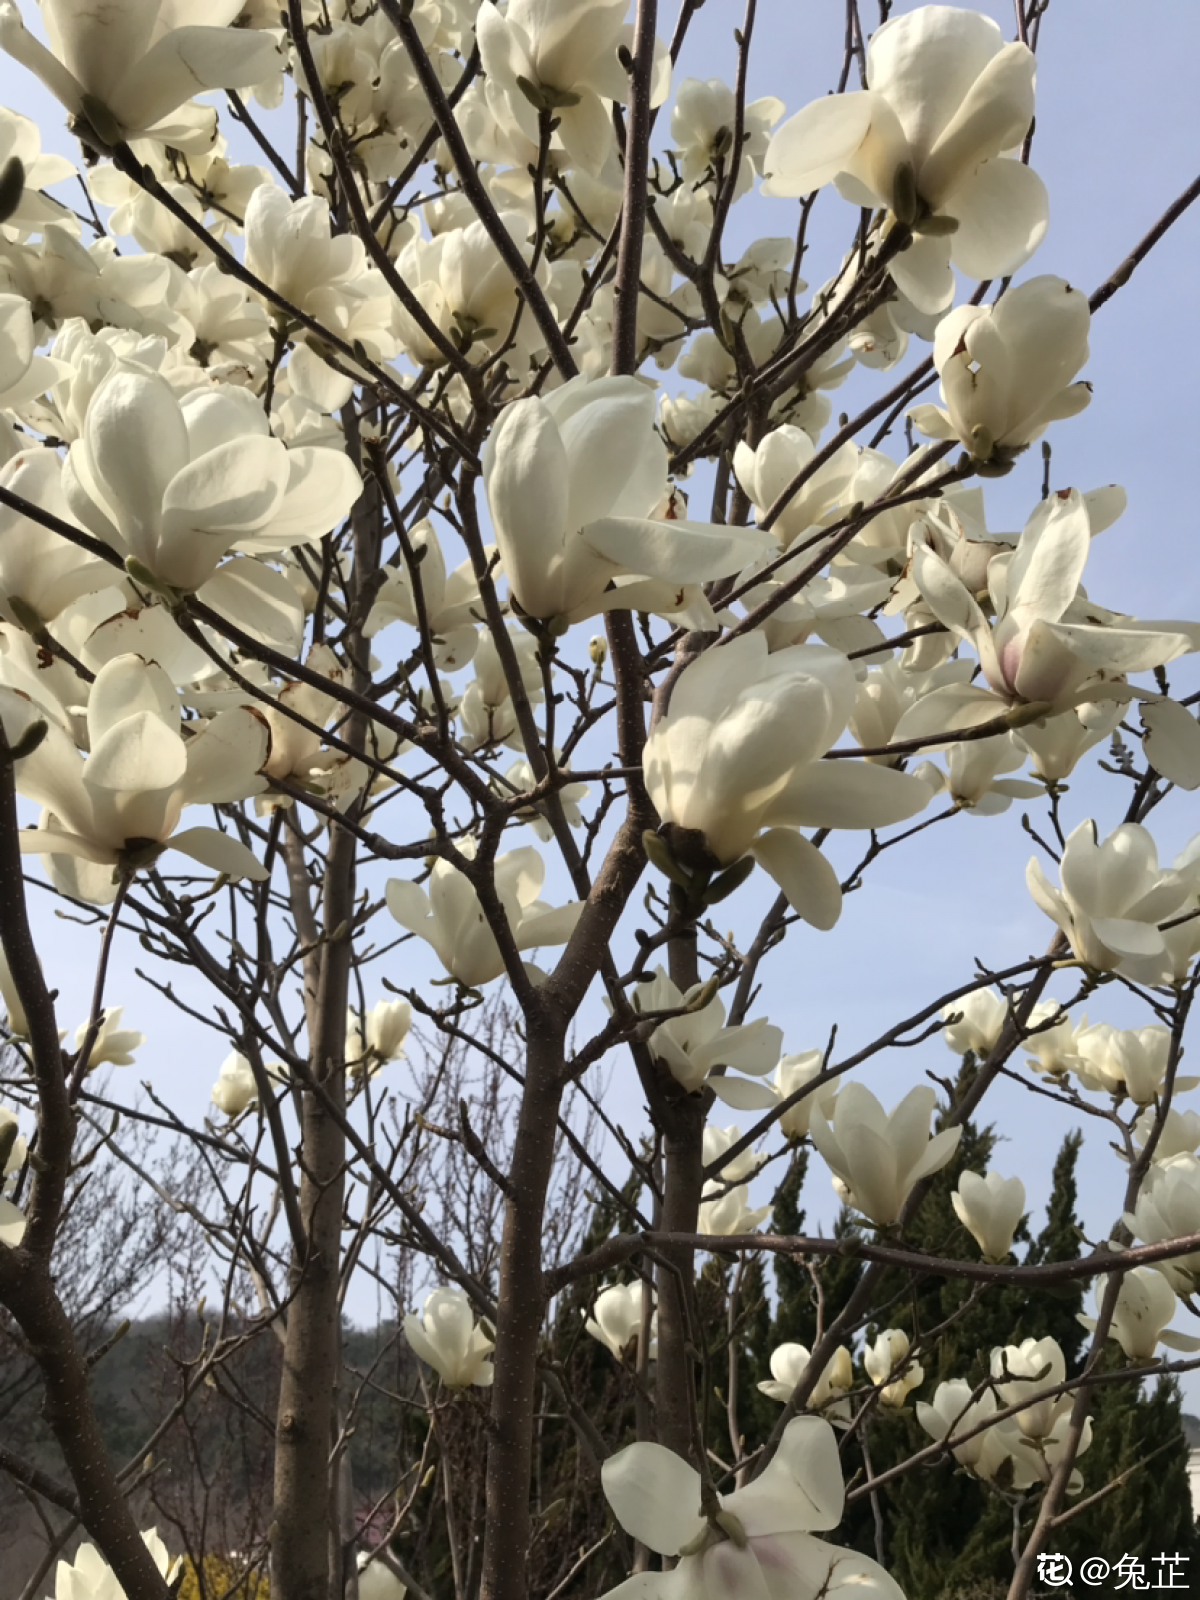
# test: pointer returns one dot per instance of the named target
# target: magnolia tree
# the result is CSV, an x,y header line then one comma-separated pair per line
x,y
433,581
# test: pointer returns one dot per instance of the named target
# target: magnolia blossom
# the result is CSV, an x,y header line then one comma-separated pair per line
x,y
1038,649
1145,1305
1113,896
450,600
89,1576
175,485
1126,1061
124,67
563,58
1168,1207
702,126
377,1037
736,760
758,1542
974,1022
1027,1369
737,1169
112,1043
451,919
690,1046
41,573
120,805
989,1208
877,1156
725,1210
236,1088
789,1363
447,1337
928,138
792,1073
956,1410
1178,1134
568,525
616,1317
889,1368
1007,369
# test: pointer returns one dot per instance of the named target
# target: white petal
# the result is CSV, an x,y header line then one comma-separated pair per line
x,y
848,794
1172,742
655,1496
1002,215
811,148
743,1094
220,852
803,873
257,599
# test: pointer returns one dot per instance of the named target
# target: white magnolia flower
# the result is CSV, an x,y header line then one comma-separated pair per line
x,y
568,525
738,1170
616,1317
789,1362
736,759
451,919
89,1576
702,124
692,1045
120,805
725,1210
761,1537
382,1038
792,1073
1008,369
1128,1061
1113,896
1145,1305
889,1368
124,67
877,1156
952,1413
1034,650
1178,1135
113,1043
947,100
235,1087
1056,744
989,1208
980,1016
447,1337
451,600
562,56
1168,1207
175,485
765,472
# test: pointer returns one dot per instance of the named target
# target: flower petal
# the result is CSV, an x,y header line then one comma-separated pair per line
x,y
803,873
655,1496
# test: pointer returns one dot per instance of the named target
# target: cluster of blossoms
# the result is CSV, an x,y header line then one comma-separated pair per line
x,y
194,439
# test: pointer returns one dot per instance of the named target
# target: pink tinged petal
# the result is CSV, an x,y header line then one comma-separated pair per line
x,y
220,852
259,600
647,1585
811,148
1002,212
803,873
655,1496
848,794
801,1490
226,758
731,1573
993,116
186,61
1172,742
